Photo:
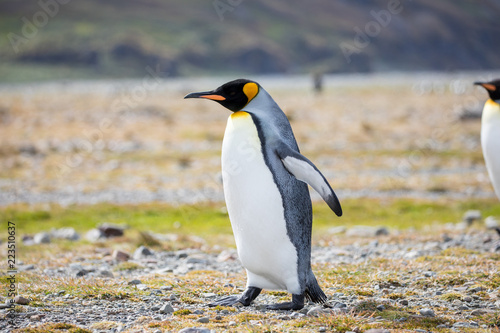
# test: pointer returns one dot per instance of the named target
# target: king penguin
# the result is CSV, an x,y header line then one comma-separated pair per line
x,y
265,187
490,132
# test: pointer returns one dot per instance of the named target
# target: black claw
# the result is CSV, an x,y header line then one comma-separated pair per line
x,y
245,299
297,303
225,301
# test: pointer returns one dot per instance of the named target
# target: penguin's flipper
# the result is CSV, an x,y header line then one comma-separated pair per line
x,y
304,170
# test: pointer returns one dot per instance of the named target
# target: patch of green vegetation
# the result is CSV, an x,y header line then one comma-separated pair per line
x,y
127,266
364,292
53,328
212,223
458,252
182,312
451,296
395,296
400,213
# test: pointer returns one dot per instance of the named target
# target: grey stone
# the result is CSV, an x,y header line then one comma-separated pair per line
x,y
142,252
22,268
120,255
105,273
339,305
6,305
472,215
41,238
66,233
21,300
491,222
366,231
463,324
94,235
195,330
380,307
166,308
81,272
427,312
111,230
203,320
197,261
315,311
135,281
480,312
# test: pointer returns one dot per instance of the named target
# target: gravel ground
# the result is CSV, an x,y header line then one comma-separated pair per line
x,y
416,287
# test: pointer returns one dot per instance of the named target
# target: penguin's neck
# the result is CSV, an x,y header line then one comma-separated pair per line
x,y
262,102
491,111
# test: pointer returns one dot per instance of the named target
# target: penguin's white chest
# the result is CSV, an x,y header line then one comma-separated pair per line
x,y
490,142
255,208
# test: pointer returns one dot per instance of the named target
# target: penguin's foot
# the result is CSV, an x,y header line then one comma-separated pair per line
x,y
297,303
245,299
226,301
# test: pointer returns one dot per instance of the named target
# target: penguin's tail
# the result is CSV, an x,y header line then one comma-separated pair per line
x,y
313,291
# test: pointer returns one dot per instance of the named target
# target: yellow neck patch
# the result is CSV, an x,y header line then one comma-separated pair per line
x,y
492,102
251,89
239,114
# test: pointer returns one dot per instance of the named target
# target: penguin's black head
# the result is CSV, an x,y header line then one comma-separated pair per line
x,y
233,95
493,88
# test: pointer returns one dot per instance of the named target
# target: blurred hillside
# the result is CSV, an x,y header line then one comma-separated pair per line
x,y
55,39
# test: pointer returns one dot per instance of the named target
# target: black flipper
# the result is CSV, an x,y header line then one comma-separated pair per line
x,y
304,170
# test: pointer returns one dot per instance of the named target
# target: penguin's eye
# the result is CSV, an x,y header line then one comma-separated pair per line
x,y
232,93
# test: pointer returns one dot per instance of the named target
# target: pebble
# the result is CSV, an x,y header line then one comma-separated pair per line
x,y
203,320
426,312
195,330
68,233
142,252
134,282
463,324
315,311
472,215
111,230
491,222
41,238
94,235
159,303
167,308
21,300
366,231
120,255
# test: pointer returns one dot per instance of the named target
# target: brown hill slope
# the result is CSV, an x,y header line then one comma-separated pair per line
x,y
80,39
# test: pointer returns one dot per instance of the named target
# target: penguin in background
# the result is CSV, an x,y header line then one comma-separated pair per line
x,y
490,132
265,188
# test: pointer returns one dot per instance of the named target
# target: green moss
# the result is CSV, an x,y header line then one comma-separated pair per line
x,y
182,312
53,327
451,296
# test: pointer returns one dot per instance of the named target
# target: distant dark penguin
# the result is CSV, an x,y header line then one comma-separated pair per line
x,y
265,186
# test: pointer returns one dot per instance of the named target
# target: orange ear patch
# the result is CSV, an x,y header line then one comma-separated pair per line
x,y
488,86
251,89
